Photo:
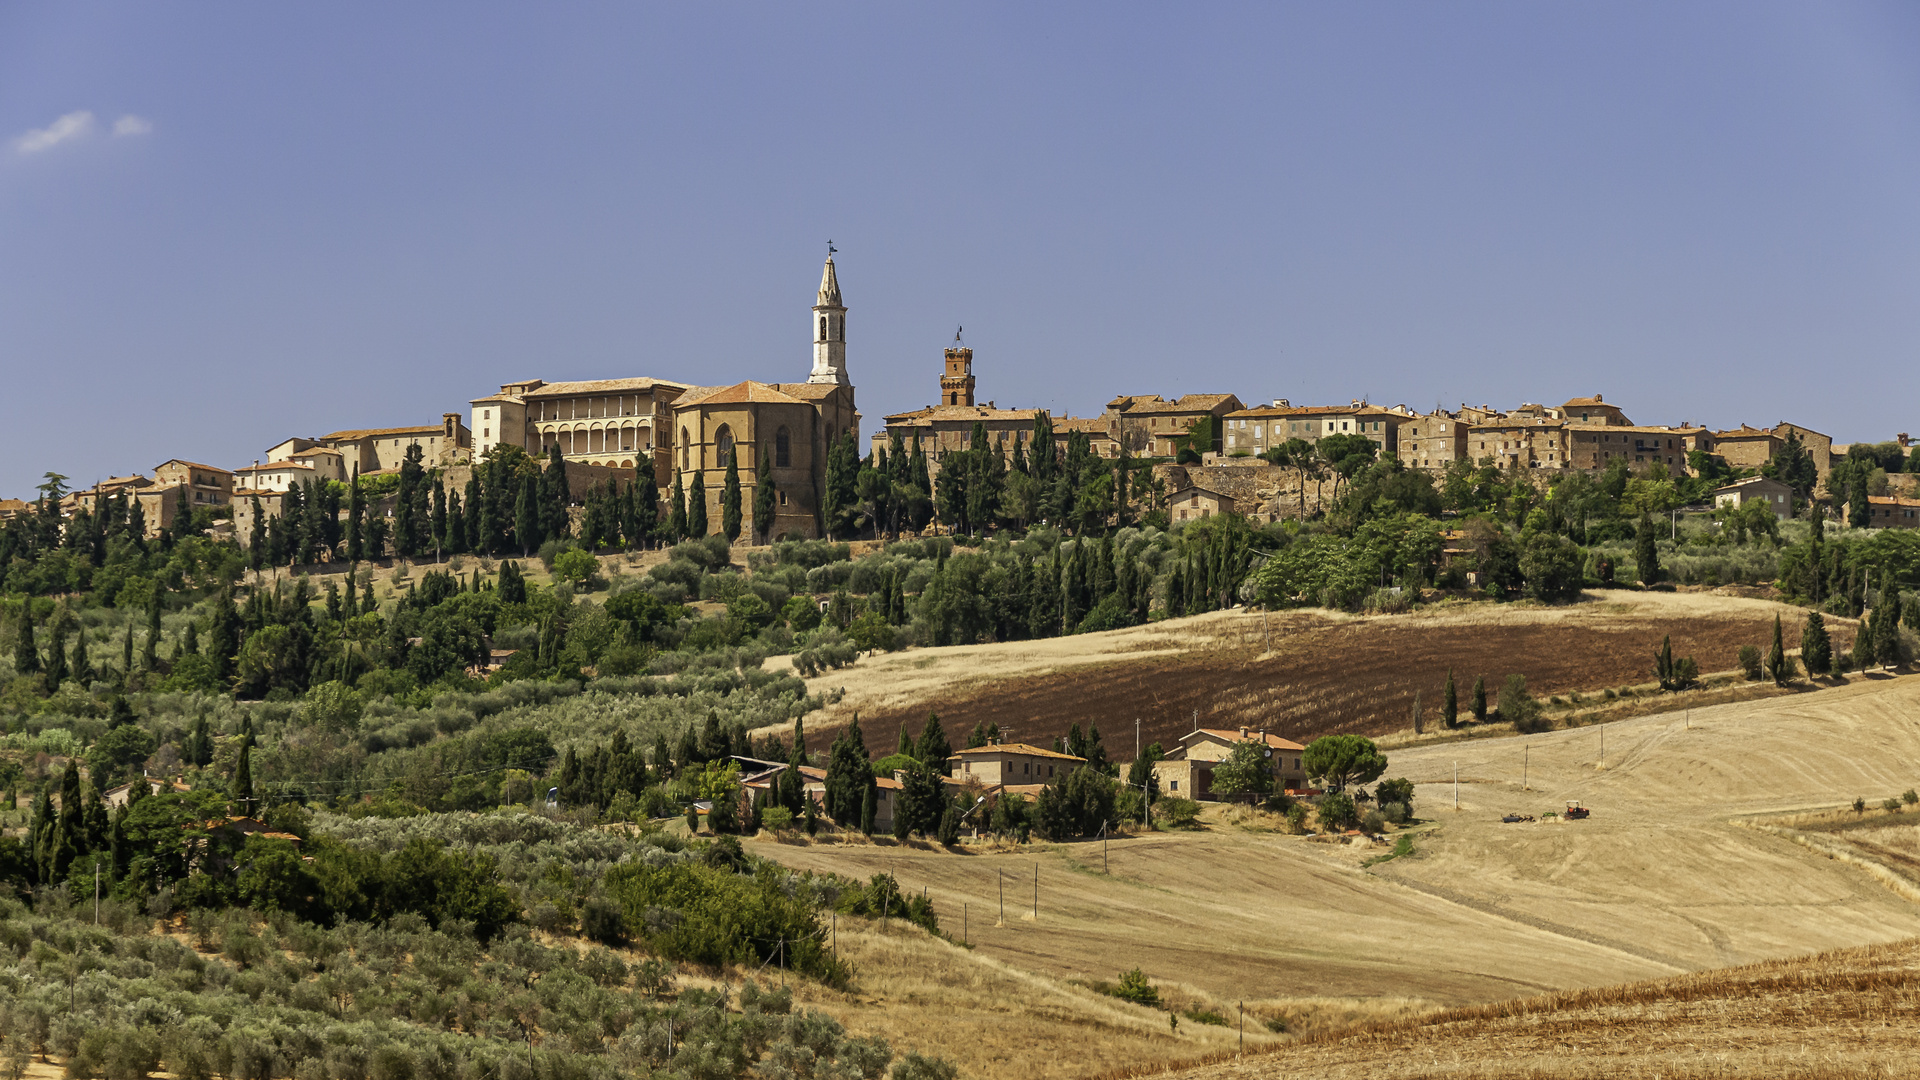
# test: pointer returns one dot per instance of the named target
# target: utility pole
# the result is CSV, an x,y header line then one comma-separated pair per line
x,y
1243,1025
965,937
1036,892
1456,786
96,890
1003,897
1603,746
1526,757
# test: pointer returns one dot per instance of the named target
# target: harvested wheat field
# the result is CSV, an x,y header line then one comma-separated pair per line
x,y
1299,674
1706,849
1853,1013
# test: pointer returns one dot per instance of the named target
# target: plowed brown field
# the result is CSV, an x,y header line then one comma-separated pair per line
x,y
1297,674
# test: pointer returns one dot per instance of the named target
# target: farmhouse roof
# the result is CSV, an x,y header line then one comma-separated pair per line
x,y
1750,481
1273,742
1026,749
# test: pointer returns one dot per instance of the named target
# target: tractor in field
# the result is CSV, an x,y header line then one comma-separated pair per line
x,y
1575,811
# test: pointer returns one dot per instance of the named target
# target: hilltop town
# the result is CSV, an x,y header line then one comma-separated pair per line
x,y
1206,453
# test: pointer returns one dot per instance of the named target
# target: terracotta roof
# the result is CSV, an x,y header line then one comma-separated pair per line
x,y
1891,500
1648,429
887,782
748,392
600,386
315,451
512,399
1744,431
1091,425
1026,749
1301,410
1588,403
14,504
271,466
1749,481
1799,427
1152,403
374,433
807,390
189,464
1233,735
964,413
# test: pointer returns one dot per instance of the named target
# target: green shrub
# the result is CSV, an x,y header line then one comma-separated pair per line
x,y
714,917
1175,812
1750,662
1134,987
1337,812
1201,1015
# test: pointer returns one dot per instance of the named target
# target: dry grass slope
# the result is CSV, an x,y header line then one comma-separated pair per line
x,y
1851,1013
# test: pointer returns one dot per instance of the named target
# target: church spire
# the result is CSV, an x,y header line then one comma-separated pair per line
x,y
829,330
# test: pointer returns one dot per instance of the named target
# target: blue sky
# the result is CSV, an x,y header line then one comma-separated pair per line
x,y
257,221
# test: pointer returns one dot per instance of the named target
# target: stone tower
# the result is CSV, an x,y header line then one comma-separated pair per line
x,y
829,332
956,383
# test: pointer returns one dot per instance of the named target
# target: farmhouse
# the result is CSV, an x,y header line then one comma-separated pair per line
x,y
1012,763
1892,512
1187,770
1772,492
1198,502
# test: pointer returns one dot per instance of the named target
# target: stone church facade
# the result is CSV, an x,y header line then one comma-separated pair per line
x,y
683,430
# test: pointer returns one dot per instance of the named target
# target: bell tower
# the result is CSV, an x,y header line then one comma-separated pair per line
x,y
829,330
956,382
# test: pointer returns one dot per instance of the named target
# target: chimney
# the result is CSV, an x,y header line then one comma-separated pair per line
x,y
1599,397
1243,731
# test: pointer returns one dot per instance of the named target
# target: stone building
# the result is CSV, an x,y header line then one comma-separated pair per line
x,y
1257,430
1012,764
1433,441
1187,770
793,424
1531,440
1595,447
1749,447
1892,512
1149,426
948,426
1194,503
209,485
275,476
374,449
613,422
1593,411
1777,496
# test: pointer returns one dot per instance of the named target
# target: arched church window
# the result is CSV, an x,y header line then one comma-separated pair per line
x,y
782,449
823,328
723,446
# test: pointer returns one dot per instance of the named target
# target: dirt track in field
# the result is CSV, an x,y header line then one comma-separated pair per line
x,y
1297,674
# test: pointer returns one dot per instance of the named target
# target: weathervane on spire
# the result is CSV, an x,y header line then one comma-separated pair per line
x,y
956,334
831,249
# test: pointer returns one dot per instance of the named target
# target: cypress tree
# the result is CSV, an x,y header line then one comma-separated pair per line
x,y
526,518
1480,699
646,508
1450,703
866,809
356,519
558,494
243,778
512,585
730,499
1816,648
26,655
677,513
441,513
1886,624
697,507
82,666
471,506
1646,555
1779,664
764,499
455,539
126,653
150,648
57,652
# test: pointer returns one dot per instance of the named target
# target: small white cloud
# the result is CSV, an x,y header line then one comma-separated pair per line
x,y
74,125
131,125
